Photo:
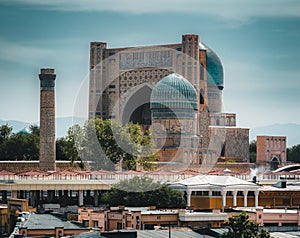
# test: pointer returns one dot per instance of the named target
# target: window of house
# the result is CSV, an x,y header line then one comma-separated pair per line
x,y
86,223
119,225
96,224
216,193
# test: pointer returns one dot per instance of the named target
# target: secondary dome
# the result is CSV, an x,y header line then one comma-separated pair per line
x,y
24,131
214,67
174,94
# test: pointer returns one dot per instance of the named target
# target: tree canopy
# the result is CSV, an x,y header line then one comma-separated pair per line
x,y
23,145
143,191
293,153
252,151
5,131
239,226
102,143
65,146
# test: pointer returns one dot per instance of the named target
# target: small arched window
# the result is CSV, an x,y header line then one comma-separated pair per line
x,y
201,96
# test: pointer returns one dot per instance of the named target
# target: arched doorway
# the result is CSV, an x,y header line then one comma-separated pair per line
x,y
137,107
275,162
141,115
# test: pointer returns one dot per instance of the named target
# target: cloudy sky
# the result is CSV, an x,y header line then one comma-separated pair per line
x,y
258,42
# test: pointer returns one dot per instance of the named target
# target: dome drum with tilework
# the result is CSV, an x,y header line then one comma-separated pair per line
x,y
174,96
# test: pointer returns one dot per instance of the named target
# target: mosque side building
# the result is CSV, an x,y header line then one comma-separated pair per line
x,y
128,84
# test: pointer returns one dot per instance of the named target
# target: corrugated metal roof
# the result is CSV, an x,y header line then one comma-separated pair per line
x,y
295,234
89,235
214,180
174,234
47,221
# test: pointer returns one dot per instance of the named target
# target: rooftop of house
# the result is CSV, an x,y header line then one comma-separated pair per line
x,y
33,221
165,233
214,180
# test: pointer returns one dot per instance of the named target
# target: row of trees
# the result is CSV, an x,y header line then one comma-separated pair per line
x,y
101,142
108,135
141,192
19,146
293,154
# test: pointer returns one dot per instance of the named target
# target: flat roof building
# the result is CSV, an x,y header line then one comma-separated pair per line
x,y
33,225
213,191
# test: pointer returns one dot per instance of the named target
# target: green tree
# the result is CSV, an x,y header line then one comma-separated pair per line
x,y
70,150
5,131
293,154
19,146
66,148
34,129
128,144
98,144
61,143
15,147
33,143
239,226
107,142
252,151
143,191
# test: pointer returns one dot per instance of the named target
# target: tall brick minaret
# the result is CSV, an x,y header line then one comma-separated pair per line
x,y
47,120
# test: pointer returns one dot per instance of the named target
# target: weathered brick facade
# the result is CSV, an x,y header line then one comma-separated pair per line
x,y
47,120
271,151
25,166
121,81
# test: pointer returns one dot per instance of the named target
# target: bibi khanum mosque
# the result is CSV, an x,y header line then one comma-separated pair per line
x,y
176,89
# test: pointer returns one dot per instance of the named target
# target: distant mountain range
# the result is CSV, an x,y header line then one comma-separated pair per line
x,y
292,131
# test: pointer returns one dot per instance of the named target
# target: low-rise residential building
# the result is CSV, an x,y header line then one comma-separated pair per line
x,y
283,194
41,225
272,217
218,192
118,218
144,218
224,191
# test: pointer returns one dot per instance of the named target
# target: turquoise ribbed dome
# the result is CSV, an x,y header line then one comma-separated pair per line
x,y
174,93
214,67
24,131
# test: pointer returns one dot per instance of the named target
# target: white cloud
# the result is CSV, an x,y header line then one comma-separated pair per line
x,y
18,53
222,8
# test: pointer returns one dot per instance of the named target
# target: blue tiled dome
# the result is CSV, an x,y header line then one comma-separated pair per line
x,y
174,93
24,131
215,74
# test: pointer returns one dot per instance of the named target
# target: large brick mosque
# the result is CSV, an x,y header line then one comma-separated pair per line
x,y
175,89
